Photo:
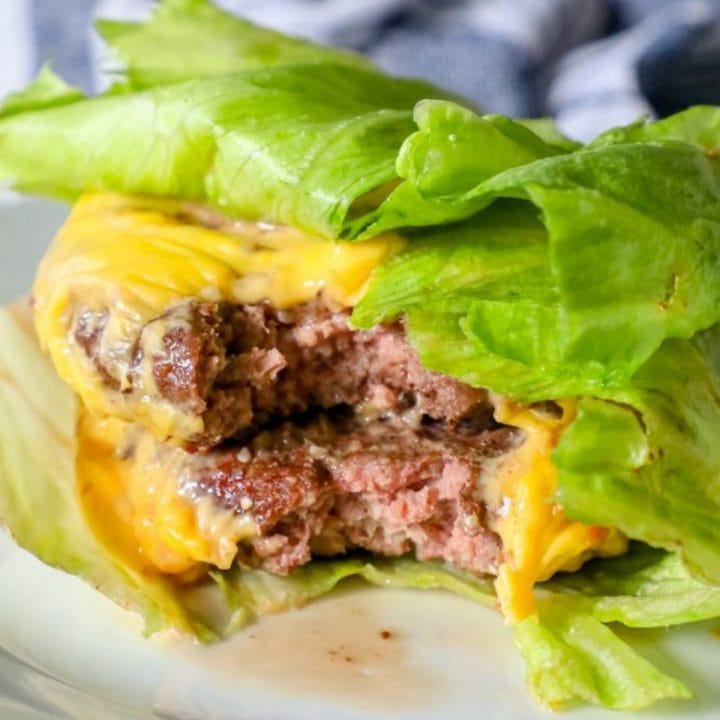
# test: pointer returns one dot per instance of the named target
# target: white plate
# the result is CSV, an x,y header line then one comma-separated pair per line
x,y
67,652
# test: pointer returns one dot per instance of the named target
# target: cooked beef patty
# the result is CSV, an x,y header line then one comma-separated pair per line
x,y
241,366
325,437
342,481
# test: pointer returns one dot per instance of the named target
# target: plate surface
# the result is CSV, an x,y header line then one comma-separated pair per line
x,y
67,652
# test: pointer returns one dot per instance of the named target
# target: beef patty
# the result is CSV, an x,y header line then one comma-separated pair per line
x,y
324,485
325,437
239,367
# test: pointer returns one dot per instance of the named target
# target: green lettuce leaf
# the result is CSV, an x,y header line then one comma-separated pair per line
x,y
546,129
250,594
46,91
189,39
571,656
650,451
631,256
571,652
301,144
497,264
646,588
699,125
452,151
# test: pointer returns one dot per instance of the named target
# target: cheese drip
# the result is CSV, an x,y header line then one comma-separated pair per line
x,y
133,258
537,537
128,486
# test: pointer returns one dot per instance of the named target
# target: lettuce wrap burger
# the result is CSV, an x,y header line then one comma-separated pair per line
x,y
307,321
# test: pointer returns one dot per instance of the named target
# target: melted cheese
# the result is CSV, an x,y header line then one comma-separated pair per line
x,y
538,539
138,257
128,486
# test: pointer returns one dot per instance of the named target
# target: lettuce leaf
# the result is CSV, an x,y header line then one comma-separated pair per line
x,y
699,126
632,253
301,144
250,594
452,150
190,39
571,652
546,129
571,656
646,588
650,451
286,135
46,91
496,264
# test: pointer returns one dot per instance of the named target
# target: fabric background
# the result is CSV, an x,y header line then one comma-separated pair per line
x,y
591,64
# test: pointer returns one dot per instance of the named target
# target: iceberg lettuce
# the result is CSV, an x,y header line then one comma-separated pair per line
x,y
188,39
632,253
650,451
298,144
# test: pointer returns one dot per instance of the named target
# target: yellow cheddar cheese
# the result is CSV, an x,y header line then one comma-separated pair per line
x,y
538,539
129,491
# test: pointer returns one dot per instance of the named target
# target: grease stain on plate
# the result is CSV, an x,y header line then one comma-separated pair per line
x,y
342,650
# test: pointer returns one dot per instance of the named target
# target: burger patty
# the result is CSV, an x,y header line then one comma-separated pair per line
x,y
326,438
341,481
239,367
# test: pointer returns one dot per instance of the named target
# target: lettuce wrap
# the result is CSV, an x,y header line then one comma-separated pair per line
x,y
534,267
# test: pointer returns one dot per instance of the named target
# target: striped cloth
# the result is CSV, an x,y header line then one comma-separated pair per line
x,y
591,64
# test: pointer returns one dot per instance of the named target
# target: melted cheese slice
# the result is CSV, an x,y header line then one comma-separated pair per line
x,y
128,486
138,257
152,251
538,539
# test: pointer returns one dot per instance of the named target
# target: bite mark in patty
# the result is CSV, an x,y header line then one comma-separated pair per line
x,y
327,438
239,367
332,484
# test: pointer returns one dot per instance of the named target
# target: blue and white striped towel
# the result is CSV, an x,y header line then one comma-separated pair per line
x,y
591,64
